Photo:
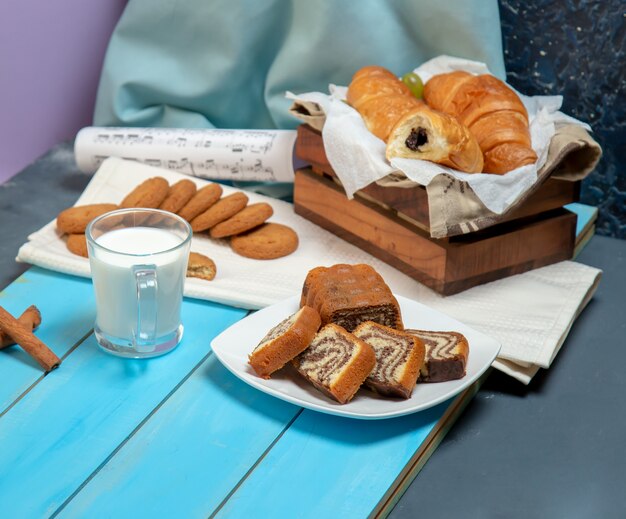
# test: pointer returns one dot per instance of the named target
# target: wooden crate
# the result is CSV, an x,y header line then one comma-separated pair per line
x,y
412,204
392,224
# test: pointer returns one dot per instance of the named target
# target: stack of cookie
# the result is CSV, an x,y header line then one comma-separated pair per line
x,y
219,216
207,211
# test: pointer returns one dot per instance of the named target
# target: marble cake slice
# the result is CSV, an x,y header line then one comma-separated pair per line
x,y
336,362
446,355
399,358
283,342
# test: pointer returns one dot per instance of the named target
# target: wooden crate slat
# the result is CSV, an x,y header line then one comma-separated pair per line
x,y
515,245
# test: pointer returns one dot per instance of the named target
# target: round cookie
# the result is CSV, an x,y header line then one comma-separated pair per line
x,y
149,193
201,201
246,219
74,220
270,241
77,244
222,210
200,266
178,195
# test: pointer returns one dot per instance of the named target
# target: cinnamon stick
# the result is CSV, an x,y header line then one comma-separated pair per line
x,y
30,318
25,338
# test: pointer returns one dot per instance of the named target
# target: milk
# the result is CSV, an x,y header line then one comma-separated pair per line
x,y
115,284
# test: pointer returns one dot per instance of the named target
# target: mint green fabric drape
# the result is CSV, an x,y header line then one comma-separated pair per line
x,y
228,63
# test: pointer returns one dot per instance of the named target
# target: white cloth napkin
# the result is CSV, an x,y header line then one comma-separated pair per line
x,y
530,314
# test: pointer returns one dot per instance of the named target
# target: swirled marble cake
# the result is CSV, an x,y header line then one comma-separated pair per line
x,y
399,358
336,362
283,342
348,295
446,355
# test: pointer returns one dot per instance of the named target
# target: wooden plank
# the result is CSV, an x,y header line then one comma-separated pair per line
x,y
532,244
60,432
310,147
551,194
67,307
376,231
426,449
331,466
583,239
190,454
408,203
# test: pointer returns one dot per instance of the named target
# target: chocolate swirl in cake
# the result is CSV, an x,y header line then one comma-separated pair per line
x,y
439,345
325,357
279,329
350,319
336,362
446,355
391,355
399,357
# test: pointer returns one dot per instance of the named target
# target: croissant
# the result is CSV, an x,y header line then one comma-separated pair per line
x,y
491,110
409,127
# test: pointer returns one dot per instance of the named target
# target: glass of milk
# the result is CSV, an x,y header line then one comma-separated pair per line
x,y
138,260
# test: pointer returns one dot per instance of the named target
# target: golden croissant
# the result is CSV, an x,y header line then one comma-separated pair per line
x,y
409,127
491,110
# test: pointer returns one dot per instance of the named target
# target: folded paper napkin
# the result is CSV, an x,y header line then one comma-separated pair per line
x,y
458,202
530,314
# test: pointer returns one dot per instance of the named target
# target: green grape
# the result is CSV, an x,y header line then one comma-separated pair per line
x,y
414,82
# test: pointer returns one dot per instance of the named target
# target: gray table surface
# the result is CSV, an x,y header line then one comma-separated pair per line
x,y
555,448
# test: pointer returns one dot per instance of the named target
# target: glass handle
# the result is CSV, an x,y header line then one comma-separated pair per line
x,y
146,282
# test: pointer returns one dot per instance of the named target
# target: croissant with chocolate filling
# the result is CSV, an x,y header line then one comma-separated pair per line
x,y
409,127
491,110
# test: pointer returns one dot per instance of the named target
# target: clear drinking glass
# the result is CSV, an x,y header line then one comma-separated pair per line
x,y
138,260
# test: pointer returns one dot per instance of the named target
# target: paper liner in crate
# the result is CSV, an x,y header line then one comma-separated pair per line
x,y
530,314
458,202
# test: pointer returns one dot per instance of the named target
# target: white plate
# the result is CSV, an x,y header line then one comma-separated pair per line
x,y
234,344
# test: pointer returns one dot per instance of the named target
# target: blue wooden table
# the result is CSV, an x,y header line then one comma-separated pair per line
x,y
179,435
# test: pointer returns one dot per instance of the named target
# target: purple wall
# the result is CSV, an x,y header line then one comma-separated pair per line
x,y
51,54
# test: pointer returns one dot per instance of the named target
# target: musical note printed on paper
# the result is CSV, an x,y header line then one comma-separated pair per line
x,y
258,155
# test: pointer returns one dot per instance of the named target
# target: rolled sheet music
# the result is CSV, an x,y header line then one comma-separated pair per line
x,y
242,155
